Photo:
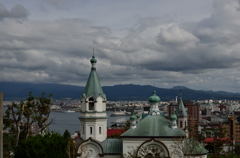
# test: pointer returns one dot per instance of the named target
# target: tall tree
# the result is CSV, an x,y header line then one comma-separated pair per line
x,y
187,147
21,118
215,147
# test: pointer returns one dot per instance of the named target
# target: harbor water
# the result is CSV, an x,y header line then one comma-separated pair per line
x,y
70,121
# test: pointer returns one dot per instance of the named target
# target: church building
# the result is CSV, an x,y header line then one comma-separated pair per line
x,y
152,136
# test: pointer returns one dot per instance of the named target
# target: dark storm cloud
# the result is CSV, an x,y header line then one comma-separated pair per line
x,y
50,51
18,11
153,50
191,50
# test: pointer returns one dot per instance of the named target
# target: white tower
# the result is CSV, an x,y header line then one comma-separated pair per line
x,y
93,116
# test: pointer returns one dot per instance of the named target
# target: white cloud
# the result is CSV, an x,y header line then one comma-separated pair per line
x,y
174,35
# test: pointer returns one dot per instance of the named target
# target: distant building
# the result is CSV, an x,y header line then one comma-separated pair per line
x,y
192,111
232,127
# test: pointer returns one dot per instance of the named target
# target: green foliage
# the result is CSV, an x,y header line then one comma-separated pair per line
x,y
237,149
67,135
127,125
8,142
19,118
195,134
51,145
216,146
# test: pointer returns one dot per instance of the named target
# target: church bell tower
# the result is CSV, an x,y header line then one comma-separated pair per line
x,y
93,118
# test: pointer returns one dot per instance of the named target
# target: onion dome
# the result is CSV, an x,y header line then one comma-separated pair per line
x,y
138,116
93,60
154,98
133,117
173,116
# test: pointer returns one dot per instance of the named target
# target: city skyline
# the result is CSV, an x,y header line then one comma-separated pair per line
x,y
163,43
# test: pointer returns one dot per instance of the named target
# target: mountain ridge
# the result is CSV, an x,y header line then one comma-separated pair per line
x,y
20,90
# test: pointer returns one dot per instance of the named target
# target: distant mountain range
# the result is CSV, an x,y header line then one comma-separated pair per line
x,y
17,91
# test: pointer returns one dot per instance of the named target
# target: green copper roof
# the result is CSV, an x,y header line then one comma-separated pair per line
x,y
181,110
93,87
173,116
138,116
154,98
112,146
193,147
133,117
93,60
154,126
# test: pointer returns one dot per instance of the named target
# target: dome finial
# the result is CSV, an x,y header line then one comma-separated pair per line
x,y
180,94
93,60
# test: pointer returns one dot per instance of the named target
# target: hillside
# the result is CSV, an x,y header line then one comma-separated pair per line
x,y
14,90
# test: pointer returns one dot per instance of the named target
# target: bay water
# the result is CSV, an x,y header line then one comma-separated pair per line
x,y
70,121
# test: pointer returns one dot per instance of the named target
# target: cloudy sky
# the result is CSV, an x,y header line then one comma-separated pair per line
x,y
190,43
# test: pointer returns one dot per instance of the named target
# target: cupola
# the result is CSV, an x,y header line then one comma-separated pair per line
x,y
154,101
173,116
154,98
93,60
133,120
133,117
173,119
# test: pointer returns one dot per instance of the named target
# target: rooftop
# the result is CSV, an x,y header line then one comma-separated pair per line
x,y
154,126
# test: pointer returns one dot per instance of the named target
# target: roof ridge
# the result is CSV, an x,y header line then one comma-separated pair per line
x,y
181,110
93,87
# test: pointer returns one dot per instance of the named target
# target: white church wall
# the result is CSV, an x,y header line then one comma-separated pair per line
x,y
91,129
112,156
91,149
99,104
83,104
93,114
131,144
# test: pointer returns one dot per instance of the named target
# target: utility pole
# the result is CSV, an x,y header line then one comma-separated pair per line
x,y
1,125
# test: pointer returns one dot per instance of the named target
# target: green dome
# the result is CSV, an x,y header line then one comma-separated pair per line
x,y
133,117
93,60
138,116
154,98
173,116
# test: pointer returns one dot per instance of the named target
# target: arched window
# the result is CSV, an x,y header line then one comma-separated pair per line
x,y
100,130
91,104
90,130
83,130
180,124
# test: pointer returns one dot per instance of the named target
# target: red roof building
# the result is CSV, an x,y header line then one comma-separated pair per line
x,y
211,140
114,131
